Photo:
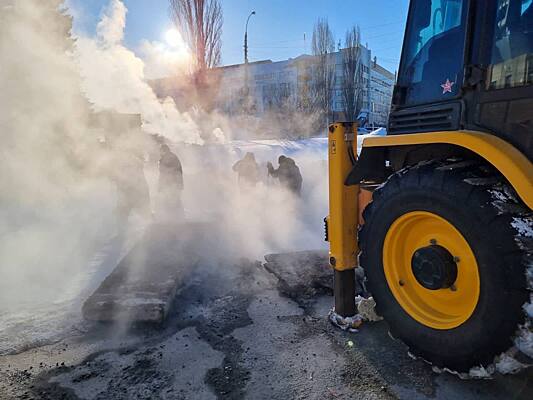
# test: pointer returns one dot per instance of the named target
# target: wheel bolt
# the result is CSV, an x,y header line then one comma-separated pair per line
x,y
401,283
456,259
433,241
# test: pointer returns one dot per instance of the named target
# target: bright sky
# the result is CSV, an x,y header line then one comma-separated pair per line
x,y
277,30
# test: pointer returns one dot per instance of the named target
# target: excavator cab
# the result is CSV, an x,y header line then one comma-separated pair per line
x,y
446,236
467,65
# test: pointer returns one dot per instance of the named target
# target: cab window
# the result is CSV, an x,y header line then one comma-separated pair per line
x,y
512,47
432,62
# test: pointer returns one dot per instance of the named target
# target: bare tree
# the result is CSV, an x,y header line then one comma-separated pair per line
x,y
352,73
322,42
200,23
323,46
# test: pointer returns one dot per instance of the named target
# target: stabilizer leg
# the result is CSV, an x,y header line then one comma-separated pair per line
x,y
343,219
344,291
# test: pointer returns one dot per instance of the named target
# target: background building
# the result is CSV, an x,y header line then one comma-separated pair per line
x,y
283,88
381,86
272,85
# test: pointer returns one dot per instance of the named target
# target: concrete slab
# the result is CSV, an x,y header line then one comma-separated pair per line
x,y
142,286
303,273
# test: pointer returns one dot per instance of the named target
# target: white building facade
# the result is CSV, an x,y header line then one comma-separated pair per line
x,y
274,84
381,86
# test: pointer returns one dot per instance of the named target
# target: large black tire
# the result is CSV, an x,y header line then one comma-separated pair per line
x,y
483,207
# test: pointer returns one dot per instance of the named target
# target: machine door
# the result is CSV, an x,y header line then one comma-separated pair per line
x,y
506,98
431,68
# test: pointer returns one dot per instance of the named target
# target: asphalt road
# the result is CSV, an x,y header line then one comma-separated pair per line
x,y
236,332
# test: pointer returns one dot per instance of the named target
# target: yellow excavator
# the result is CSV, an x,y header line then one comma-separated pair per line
x,y
439,211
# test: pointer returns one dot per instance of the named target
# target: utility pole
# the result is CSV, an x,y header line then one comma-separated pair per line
x,y
246,38
246,90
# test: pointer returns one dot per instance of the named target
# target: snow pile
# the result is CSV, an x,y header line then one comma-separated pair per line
x,y
528,308
479,372
377,132
361,138
524,339
523,227
271,149
350,324
267,148
505,364
366,311
366,308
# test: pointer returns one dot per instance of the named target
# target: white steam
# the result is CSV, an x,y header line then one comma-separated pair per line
x,y
164,59
113,79
54,204
57,203
110,29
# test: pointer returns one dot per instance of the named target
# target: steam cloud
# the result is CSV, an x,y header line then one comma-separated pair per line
x,y
113,79
57,201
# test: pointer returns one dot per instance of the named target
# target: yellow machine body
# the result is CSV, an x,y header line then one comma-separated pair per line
x,y
445,238
345,202
342,222
511,163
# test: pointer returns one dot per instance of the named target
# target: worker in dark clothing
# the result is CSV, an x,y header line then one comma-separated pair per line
x,y
170,183
247,171
288,174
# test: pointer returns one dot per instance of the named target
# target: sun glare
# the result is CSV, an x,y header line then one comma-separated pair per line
x,y
173,38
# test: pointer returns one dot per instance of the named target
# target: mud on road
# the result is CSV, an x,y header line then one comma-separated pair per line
x,y
237,331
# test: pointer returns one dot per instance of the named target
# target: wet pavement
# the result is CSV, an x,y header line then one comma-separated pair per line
x,y
235,331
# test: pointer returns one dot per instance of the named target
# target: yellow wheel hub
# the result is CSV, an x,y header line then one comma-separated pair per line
x,y
443,308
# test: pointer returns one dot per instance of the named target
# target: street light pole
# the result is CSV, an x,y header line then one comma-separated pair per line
x,y
246,38
246,90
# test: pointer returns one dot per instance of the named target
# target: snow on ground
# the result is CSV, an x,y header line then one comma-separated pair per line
x,y
267,149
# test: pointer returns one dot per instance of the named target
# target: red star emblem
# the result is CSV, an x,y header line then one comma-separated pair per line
x,y
447,86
